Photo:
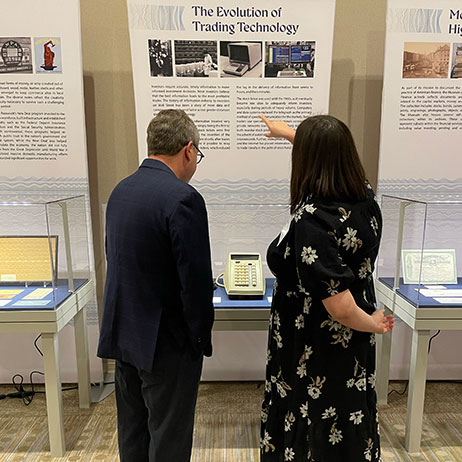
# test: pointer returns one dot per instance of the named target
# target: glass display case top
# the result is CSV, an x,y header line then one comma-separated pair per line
x,y
44,255
421,251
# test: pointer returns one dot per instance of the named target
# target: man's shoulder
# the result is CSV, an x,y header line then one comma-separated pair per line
x,y
156,185
172,188
189,190
187,195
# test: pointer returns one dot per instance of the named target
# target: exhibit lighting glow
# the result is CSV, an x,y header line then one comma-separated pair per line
x,y
15,204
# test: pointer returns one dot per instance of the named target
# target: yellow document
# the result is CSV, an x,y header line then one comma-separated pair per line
x,y
27,258
9,293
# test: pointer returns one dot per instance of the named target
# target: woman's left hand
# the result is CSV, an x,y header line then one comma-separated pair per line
x,y
383,323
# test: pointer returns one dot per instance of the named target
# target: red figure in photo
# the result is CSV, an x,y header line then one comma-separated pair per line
x,y
48,56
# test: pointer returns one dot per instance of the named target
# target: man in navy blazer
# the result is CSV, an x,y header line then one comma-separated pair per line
x,y
158,311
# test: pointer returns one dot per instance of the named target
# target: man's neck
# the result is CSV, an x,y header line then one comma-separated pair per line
x,y
173,163
169,161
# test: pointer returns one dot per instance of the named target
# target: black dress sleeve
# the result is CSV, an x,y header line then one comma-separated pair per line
x,y
320,267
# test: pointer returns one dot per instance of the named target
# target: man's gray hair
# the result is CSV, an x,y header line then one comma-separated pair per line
x,y
170,131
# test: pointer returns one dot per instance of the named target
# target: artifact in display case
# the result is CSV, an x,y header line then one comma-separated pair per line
x,y
421,250
243,277
240,234
27,259
33,274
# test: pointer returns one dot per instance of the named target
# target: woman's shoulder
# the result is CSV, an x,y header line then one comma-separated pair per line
x,y
335,212
322,213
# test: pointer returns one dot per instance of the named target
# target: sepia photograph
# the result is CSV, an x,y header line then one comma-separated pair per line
x,y
426,60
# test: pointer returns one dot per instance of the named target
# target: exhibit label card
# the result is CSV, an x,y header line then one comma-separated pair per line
x,y
38,294
448,293
429,266
32,303
452,301
226,64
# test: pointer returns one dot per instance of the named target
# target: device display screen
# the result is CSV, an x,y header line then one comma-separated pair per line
x,y
300,54
239,53
236,256
278,55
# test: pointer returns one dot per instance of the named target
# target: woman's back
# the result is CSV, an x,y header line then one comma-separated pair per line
x,y
320,373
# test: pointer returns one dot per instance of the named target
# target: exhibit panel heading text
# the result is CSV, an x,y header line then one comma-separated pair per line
x,y
244,20
455,28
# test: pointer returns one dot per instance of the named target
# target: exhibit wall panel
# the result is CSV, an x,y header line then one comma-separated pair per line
x,y
42,125
422,101
421,132
224,65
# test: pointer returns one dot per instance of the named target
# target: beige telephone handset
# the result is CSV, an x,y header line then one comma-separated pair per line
x,y
243,277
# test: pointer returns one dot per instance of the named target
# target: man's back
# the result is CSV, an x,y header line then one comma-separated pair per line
x,y
158,311
158,266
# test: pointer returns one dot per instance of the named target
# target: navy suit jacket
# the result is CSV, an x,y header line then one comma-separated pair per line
x,y
158,267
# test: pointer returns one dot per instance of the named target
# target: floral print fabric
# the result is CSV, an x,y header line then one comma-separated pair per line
x,y
320,400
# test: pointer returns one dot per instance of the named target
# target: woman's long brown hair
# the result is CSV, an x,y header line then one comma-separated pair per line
x,y
325,162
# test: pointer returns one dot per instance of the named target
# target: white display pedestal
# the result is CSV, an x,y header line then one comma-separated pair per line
x,y
421,320
48,323
239,338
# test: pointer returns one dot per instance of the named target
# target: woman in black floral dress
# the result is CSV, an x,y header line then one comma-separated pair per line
x,y
320,400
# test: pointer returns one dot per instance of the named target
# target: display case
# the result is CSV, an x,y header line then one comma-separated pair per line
x,y
420,258
44,255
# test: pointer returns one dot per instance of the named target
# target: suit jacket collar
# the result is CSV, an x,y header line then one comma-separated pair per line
x,y
156,164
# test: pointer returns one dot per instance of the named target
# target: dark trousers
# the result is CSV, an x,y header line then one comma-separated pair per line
x,y
155,410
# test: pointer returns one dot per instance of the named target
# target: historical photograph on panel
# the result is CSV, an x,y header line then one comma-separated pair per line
x,y
426,60
15,55
241,59
456,61
196,58
289,59
48,57
160,58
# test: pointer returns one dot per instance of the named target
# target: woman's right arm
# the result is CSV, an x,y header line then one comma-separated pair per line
x,y
343,308
278,129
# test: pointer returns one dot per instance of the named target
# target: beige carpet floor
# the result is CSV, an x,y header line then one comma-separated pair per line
x,y
227,426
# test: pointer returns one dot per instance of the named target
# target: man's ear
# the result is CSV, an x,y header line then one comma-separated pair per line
x,y
188,151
